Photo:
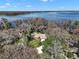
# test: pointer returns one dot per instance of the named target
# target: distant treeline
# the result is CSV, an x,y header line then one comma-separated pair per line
x,y
14,13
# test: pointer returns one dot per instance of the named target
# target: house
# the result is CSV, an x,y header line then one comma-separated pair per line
x,y
39,36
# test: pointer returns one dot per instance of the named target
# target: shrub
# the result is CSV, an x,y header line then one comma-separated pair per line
x,y
62,57
19,52
7,24
49,42
34,43
69,54
23,40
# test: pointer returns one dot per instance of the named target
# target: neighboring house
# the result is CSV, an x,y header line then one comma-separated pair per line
x,y
39,36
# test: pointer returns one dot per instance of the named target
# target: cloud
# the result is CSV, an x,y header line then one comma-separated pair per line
x,y
2,6
29,5
7,5
46,0
24,4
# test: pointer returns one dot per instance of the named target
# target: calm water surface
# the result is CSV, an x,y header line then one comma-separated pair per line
x,y
46,15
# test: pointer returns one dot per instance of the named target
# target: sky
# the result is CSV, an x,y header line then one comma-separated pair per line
x,y
38,5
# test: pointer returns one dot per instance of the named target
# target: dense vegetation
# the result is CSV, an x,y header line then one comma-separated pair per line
x,y
16,42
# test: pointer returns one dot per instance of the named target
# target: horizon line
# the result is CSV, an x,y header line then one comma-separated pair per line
x,y
37,10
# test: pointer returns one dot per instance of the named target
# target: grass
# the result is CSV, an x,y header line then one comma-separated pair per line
x,y
34,43
48,42
23,40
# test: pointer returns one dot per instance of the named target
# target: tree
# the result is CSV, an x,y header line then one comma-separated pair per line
x,y
1,25
18,22
6,23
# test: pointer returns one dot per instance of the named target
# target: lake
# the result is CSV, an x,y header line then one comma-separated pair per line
x,y
55,15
